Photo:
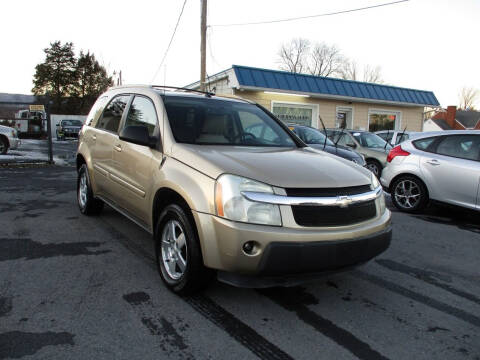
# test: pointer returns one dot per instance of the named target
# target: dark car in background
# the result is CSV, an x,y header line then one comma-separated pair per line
x,y
68,128
317,140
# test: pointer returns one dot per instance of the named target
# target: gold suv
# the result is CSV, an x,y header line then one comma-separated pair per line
x,y
224,187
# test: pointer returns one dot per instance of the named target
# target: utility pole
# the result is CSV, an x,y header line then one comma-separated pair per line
x,y
203,45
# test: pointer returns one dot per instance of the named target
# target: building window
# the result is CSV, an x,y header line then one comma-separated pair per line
x,y
291,113
383,120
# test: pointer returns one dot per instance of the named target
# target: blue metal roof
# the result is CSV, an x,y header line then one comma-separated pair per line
x,y
286,81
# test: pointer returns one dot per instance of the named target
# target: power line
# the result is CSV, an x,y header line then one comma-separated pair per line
x,y
170,43
311,16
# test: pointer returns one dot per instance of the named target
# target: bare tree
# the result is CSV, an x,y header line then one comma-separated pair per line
x,y
372,74
298,56
293,55
325,60
468,97
350,71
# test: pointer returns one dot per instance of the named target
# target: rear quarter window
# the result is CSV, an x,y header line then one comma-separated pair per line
x,y
424,144
96,111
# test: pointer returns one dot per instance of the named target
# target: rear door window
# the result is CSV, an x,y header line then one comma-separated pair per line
x,y
142,112
110,119
460,146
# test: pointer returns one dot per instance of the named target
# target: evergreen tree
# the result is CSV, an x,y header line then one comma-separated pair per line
x,y
56,75
91,80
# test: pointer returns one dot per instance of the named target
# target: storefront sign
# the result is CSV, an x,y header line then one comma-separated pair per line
x,y
292,114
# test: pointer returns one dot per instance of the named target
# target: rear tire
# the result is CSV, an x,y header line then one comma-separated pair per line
x,y
3,145
409,194
87,203
179,257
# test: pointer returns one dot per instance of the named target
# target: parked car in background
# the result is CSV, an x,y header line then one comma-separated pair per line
x,y
317,140
258,209
395,137
442,166
371,146
68,128
8,139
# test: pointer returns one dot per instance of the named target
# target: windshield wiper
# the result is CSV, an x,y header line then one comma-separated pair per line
x,y
325,131
339,136
403,132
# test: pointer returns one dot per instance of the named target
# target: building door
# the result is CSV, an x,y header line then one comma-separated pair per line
x,y
344,118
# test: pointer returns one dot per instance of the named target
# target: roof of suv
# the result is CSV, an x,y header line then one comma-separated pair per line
x,y
183,92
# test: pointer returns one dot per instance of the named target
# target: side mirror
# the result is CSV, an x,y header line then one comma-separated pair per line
x,y
139,135
353,146
57,124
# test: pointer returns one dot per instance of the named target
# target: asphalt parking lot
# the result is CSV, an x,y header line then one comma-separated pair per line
x,y
76,287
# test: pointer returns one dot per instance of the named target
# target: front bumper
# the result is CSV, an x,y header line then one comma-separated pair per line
x,y
285,251
289,264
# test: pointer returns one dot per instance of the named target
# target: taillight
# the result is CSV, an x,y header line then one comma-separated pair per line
x,y
396,151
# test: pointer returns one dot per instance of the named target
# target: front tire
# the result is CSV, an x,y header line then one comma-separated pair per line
x,y
409,194
179,257
87,203
3,145
375,167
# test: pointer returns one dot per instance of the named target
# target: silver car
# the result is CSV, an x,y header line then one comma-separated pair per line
x,y
395,137
373,148
442,166
8,139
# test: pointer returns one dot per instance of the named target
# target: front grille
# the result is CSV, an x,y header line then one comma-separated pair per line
x,y
332,215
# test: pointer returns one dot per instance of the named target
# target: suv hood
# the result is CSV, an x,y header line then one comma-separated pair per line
x,y
282,167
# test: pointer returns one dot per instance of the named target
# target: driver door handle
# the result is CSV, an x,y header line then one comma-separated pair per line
x,y
118,148
433,162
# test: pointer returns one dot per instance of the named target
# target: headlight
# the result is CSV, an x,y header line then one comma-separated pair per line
x,y
381,200
232,205
375,184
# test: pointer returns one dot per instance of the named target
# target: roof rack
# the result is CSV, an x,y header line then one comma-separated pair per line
x,y
209,94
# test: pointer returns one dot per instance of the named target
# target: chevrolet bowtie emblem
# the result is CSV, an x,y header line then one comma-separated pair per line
x,y
344,201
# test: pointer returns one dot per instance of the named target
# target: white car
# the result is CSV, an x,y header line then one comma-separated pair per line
x,y
442,166
8,139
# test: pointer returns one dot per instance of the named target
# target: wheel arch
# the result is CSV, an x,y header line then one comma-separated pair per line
x,y
80,161
4,137
405,175
166,196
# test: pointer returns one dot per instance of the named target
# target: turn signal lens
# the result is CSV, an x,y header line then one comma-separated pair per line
x,y
218,199
396,151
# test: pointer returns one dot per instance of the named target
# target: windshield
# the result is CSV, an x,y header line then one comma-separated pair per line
x,y
207,121
312,136
370,140
71,123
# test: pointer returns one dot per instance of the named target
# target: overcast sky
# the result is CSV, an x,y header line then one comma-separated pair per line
x,y
421,44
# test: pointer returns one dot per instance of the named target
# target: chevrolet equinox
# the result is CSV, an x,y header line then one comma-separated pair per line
x,y
257,210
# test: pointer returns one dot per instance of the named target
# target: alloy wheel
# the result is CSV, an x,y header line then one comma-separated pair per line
x,y
407,194
82,190
174,249
373,168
